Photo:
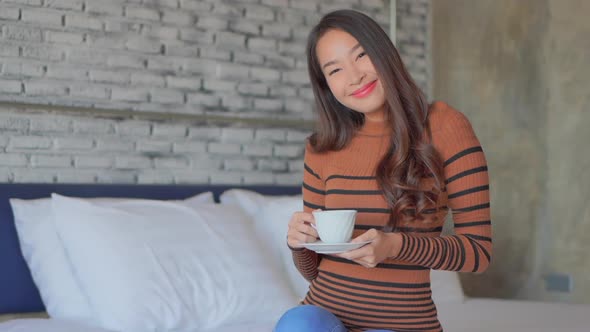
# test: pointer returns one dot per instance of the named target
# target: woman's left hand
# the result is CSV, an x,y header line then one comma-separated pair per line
x,y
382,246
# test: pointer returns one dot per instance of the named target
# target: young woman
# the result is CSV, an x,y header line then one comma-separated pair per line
x,y
403,164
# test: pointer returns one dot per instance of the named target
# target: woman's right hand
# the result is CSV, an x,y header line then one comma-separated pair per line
x,y
301,229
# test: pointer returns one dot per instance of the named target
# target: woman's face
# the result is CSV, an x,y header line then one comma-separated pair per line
x,y
350,74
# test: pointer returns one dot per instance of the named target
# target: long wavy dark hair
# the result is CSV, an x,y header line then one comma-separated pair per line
x,y
411,157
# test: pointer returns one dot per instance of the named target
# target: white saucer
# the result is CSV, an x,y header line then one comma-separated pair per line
x,y
333,248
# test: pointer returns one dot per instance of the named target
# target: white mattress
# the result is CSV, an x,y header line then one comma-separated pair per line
x,y
482,315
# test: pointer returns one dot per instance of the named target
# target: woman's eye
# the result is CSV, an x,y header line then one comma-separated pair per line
x,y
333,71
362,54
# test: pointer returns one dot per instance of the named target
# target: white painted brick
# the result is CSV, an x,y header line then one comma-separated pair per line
x,y
206,162
183,49
218,85
64,37
296,165
3,141
46,52
169,130
245,26
166,96
298,105
272,165
108,76
171,162
229,9
190,83
60,161
273,135
201,37
201,66
144,45
93,162
283,91
35,3
41,16
82,21
225,178
65,4
8,50
148,79
308,5
133,128
297,136
276,30
87,56
212,22
252,178
262,44
129,94
154,146
276,3
53,124
289,151
63,71
224,148
164,3
204,133
262,13
248,58
10,123
265,104
301,34
289,178
27,175
203,99
265,74
161,32
10,86
292,48
13,159
257,150
279,61
90,126
149,176
238,165
142,13
45,88
9,13
27,69
232,71
196,6
191,177
74,143
294,17
76,176
189,147
237,134
230,39
306,93
133,162
118,177
108,7
5,174
236,102
89,91
255,89
107,42
213,53
165,63
177,17
22,33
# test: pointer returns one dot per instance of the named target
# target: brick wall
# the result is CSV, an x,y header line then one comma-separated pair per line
x,y
107,74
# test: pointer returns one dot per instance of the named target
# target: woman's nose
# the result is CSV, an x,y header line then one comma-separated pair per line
x,y
356,76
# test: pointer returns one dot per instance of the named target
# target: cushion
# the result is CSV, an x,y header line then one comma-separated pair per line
x,y
446,287
271,215
46,258
46,325
163,266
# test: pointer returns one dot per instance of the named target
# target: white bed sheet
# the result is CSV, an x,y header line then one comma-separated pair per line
x,y
482,315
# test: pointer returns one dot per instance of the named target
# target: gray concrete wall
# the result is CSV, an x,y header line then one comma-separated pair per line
x,y
518,70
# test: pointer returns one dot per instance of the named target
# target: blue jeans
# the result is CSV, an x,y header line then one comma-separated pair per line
x,y
310,318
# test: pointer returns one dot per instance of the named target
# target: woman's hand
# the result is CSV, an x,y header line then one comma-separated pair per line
x,y
301,229
382,246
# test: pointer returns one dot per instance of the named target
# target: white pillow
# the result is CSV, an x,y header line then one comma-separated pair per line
x,y
161,266
46,258
271,215
446,287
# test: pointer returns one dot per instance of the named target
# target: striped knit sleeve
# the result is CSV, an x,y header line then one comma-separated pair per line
x,y
307,261
467,185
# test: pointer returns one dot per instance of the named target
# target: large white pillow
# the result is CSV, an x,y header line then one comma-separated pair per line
x,y
161,266
446,287
271,215
46,258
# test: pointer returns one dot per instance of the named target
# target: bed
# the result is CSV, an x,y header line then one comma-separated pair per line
x,y
20,297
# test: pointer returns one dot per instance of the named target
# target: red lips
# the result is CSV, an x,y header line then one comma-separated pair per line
x,y
365,90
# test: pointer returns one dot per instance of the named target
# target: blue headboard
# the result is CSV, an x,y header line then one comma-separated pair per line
x,y
18,293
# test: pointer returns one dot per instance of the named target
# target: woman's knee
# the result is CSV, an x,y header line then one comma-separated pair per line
x,y
309,318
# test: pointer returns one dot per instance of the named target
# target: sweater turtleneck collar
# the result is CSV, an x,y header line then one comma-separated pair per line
x,y
374,128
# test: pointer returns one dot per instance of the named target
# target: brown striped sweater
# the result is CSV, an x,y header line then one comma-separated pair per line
x,y
396,294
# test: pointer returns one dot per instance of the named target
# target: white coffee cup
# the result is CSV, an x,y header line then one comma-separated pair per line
x,y
335,226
